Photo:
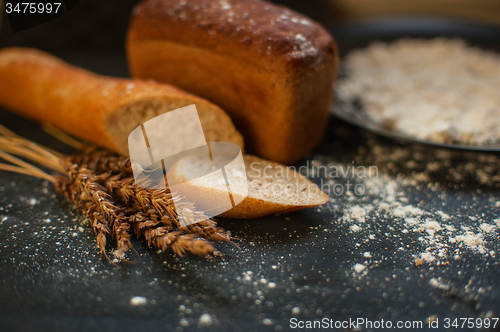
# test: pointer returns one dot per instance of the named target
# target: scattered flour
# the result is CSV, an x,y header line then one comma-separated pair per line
x,y
402,211
355,228
359,268
443,215
205,320
357,212
487,228
138,301
427,257
440,238
437,283
471,240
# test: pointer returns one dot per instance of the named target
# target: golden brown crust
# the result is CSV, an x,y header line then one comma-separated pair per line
x,y
257,32
270,68
46,89
267,194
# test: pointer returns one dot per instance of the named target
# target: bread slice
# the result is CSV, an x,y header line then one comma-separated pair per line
x,y
272,187
270,68
100,109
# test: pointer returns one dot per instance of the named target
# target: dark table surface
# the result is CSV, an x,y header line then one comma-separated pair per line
x,y
300,265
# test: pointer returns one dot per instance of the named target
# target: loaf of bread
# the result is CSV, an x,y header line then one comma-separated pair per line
x,y
105,110
270,68
100,109
267,188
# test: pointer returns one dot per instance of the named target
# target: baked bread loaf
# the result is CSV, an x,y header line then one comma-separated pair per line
x,y
270,68
272,188
105,110
100,109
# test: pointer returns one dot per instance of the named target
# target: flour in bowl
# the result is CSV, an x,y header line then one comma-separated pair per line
x,y
440,90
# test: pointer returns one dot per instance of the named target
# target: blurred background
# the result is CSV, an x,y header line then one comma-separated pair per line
x,y
100,25
92,35
353,10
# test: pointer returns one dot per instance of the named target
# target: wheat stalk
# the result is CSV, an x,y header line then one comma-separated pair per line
x,y
163,202
101,187
102,161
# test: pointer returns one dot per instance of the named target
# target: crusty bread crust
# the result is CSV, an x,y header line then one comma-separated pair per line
x,y
270,68
269,184
97,108
258,32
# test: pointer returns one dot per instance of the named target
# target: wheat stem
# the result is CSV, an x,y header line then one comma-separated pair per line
x,y
25,165
7,132
102,187
45,151
22,170
45,160
62,136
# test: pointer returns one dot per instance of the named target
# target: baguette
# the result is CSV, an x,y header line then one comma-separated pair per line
x,y
270,68
100,109
272,188
105,110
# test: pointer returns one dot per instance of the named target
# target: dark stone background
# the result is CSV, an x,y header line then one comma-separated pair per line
x,y
53,279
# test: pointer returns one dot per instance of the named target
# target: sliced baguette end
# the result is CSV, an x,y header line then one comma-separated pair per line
x,y
273,188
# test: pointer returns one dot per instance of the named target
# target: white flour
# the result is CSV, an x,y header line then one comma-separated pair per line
x,y
440,90
389,209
